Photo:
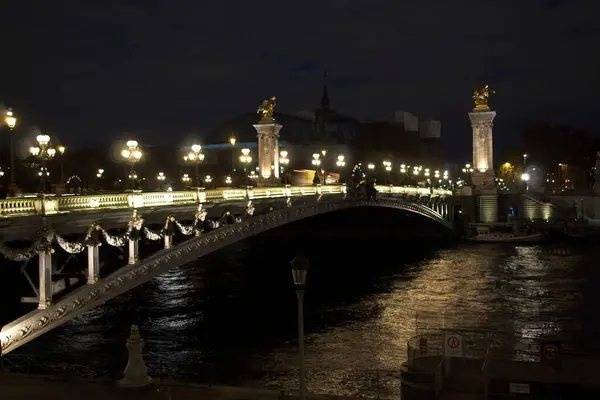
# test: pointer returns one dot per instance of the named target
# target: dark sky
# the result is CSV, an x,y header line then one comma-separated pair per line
x,y
88,71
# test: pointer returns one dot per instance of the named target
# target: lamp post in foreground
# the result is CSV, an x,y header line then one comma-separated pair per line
x,y
299,271
11,121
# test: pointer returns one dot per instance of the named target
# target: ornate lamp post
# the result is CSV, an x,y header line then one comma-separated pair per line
x,y
283,159
232,141
316,162
61,153
341,162
323,153
196,156
132,154
245,159
11,122
44,153
161,179
186,179
299,271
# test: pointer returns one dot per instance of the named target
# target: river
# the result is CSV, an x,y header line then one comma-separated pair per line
x,y
230,317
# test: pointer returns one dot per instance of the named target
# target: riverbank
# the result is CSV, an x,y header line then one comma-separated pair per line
x,y
26,387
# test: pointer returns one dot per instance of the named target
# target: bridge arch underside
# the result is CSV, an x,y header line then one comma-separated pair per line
x,y
128,277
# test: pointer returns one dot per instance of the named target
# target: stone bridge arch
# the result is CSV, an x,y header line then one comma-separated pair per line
x,y
128,277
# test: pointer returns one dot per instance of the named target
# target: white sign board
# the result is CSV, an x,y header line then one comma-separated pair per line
x,y
522,388
453,345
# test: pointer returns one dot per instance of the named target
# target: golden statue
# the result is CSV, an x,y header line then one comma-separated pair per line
x,y
267,109
481,97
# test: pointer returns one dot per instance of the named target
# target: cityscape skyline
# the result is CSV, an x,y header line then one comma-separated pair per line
x,y
157,72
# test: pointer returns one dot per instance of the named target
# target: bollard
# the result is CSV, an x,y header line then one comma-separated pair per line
x,y
136,372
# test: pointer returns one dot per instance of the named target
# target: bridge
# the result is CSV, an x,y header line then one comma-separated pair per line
x,y
263,209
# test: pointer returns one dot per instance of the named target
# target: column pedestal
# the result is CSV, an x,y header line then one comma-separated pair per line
x,y
487,202
268,153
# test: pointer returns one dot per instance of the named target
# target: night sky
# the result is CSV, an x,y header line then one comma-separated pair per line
x,y
88,71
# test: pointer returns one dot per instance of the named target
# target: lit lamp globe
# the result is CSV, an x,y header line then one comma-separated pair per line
x,y
43,140
300,267
10,119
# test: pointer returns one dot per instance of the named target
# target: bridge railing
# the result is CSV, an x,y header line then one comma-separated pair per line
x,y
51,204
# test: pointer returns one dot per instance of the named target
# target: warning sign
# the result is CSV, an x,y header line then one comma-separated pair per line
x,y
453,345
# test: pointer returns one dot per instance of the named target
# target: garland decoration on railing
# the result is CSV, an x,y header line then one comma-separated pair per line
x,y
250,210
199,220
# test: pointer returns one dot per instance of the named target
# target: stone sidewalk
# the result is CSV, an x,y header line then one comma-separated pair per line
x,y
21,387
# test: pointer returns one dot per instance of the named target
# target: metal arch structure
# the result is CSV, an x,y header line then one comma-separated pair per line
x,y
87,297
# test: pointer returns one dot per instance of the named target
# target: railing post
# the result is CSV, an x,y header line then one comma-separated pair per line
x,y
201,195
45,270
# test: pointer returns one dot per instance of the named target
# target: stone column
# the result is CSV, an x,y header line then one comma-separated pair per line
x,y
482,122
93,264
136,372
134,254
268,151
45,270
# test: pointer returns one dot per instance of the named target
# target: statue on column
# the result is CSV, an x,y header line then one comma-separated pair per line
x,y
481,97
267,110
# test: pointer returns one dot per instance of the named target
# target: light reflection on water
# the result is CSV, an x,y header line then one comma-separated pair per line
x,y
500,288
511,289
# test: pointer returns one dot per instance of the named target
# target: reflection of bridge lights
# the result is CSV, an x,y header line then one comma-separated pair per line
x,y
340,161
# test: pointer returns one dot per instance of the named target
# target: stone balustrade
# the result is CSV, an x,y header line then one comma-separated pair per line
x,y
45,205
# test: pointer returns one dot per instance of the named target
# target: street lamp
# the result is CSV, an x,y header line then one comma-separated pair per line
x,y
300,267
245,159
283,160
11,122
324,153
44,153
61,152
387,165
525,160
132,154
228,180
161,179
341,162
196,156
232,141
371,166
186,178
208,179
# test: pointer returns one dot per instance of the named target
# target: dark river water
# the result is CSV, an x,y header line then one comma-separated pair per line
x,y
230,317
